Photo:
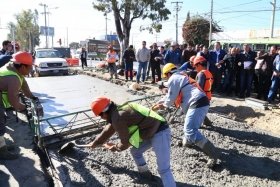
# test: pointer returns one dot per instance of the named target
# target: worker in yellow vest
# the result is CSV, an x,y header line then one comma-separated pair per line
x,y
11,81
111,58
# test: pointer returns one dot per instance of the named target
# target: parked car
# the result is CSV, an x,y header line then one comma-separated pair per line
x,y
49,61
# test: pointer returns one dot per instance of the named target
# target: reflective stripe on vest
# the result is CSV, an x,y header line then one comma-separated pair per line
x,y
5,72
111,60
208,83
178,100
133,130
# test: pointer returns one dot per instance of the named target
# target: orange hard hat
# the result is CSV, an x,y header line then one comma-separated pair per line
x,y
15,44
192,58
110,47
23,57
199,59
99,104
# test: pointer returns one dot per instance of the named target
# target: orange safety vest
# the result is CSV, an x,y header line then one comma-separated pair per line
x,y
208,83
111,60
178,100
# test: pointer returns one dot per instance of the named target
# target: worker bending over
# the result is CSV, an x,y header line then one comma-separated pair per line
x,y
140,127
11,81
187,94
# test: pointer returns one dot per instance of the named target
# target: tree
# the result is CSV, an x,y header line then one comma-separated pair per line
x,y
167,42
126,11
26,29
196,30
74,45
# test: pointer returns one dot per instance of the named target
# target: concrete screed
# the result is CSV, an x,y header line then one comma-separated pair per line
x,y
250,157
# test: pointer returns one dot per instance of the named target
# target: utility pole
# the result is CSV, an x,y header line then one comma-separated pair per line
x,y
106,27
272,18
156,37
45,23
210,29
177,8
67,35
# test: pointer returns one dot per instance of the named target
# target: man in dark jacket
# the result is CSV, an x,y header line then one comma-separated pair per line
x,y
231,63
129,56
155,64
188,53
216,57
83,57
264,72
5,45
247,64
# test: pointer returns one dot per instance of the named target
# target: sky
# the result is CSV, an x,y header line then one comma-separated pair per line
x,y
82,21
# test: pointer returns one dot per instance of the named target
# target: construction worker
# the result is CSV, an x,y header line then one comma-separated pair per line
x,y
140,127
187,94
11,81
111,58
204,79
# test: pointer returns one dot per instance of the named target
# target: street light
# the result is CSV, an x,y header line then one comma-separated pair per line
x,y
44,5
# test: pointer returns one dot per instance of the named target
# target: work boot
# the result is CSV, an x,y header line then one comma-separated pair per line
x,y
187,144
144,172
11,147
6,155
111,76
210,150
116,76
207,121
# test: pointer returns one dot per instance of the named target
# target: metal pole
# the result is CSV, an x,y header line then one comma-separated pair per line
x,y
13,36
272,18
210,29
46,25
106,27
177,9
67,36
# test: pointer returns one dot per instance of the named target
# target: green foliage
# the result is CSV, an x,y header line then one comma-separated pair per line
x,y
167,42
196,30
26,29
74,45
126,11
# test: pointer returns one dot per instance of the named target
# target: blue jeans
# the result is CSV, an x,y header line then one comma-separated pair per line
x,y
161,146
141,65
193,121
273,89
228,80
129,67
246,81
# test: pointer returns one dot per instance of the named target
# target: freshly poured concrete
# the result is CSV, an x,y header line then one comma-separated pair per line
x,y
66,94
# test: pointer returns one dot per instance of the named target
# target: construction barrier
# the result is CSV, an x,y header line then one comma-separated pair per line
x,y
72,61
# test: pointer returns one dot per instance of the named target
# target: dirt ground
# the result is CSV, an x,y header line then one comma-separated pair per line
x,y
250,158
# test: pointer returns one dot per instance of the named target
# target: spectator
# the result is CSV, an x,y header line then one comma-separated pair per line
x,y
264,70
187,53
143,57
5,45
247,64
155,65
231,63
173,56
237,80
83,57
10,50
160,57
149,64
182,48
216,57
204,52
129,56
197,48
112,58
275,79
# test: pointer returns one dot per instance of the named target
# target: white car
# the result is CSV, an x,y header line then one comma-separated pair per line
x,y
49,61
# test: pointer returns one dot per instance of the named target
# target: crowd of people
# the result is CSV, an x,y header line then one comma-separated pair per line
x,y
239,71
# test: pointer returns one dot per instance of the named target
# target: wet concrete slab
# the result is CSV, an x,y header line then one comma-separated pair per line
x,y
66,94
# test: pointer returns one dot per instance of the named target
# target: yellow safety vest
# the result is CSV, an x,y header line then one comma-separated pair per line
x,y
133,130
5,72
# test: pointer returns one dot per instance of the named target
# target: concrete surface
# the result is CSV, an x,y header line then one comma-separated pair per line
x,y
65,94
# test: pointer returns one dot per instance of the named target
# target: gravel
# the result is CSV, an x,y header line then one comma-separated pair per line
x,y
250,158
